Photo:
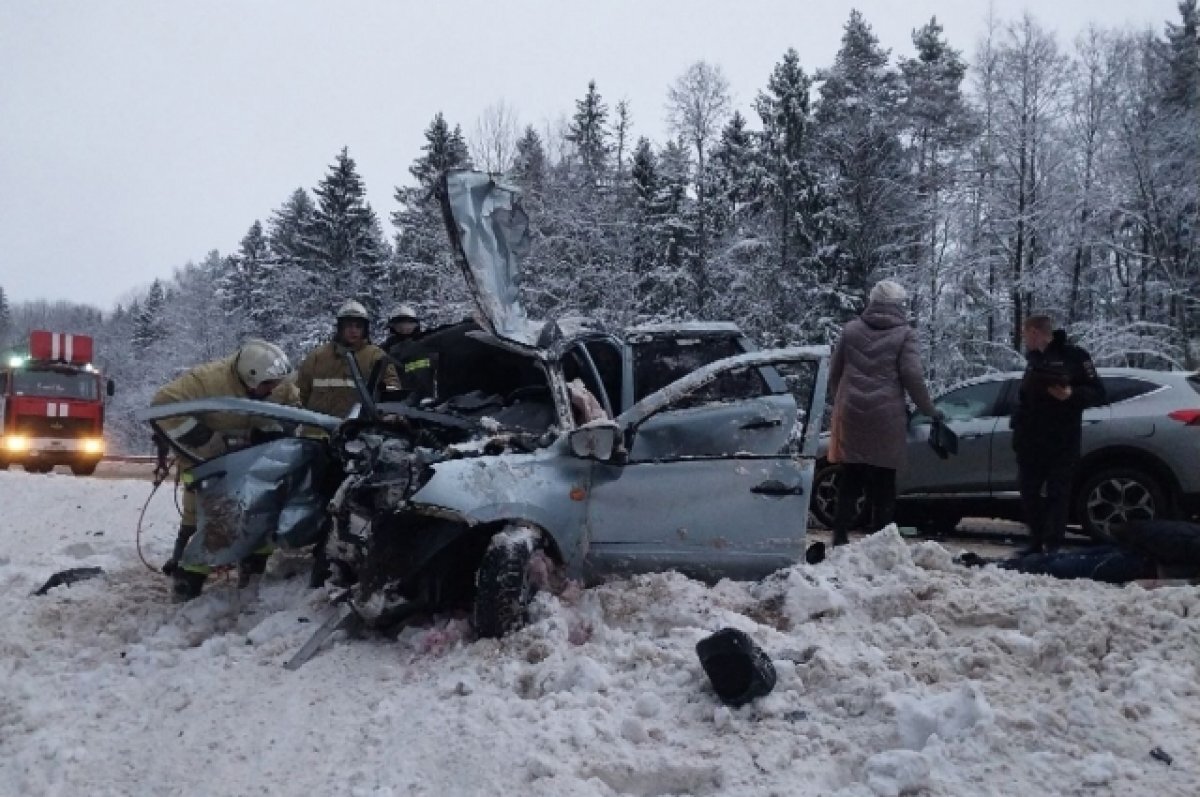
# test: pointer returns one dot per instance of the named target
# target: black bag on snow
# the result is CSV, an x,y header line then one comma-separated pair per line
x,y
739,669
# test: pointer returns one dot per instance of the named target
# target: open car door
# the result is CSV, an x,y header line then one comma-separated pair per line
x,y
251,493
713,481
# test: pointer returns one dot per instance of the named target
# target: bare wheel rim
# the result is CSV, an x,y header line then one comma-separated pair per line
x,y
1119,500
825,499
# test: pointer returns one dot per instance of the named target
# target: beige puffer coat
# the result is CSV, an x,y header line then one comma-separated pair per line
x,y
324,377
875,362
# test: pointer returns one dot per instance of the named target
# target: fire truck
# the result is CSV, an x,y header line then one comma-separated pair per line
x,y
52,405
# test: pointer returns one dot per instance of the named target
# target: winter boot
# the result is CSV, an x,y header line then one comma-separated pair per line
x,y
253,565
187,584
320,567
181,541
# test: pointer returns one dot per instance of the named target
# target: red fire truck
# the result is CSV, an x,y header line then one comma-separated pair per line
x,y
52,405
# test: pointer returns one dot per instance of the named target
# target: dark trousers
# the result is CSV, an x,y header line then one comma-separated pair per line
x,y
879,486
1045,486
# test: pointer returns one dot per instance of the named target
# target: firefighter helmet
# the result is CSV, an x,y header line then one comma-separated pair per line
x,y
352,309
258,361
404,312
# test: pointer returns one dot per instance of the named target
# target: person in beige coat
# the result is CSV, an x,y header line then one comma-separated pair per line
x,y
324,378
257,370
875,363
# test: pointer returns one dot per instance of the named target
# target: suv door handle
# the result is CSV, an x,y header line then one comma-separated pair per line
x,y
762,423
774,487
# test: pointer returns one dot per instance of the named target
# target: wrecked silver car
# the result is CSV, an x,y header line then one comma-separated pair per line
x,y
550,452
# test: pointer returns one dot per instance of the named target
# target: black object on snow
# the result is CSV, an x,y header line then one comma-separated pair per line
x,y
815,553
1105,563
69,577
1174,544
739,669
1158,754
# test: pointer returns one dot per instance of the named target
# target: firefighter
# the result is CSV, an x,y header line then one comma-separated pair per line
x,y
324,379
257,370
404,346
326,385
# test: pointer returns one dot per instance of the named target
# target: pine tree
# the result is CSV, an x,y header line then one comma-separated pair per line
x,y
149,325
530,166
5,319
588,132
859,144
426,275
342,238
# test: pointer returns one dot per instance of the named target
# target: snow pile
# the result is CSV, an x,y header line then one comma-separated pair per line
x,y
898,673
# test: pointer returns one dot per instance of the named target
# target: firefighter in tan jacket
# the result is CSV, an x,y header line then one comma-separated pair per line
x,y
324,377
257,370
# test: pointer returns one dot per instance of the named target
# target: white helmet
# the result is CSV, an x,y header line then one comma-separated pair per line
x,y
352,309
404,312
258,361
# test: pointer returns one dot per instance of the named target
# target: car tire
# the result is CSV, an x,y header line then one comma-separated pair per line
x,y
1113,496
824,498
503,584
84,468
38,468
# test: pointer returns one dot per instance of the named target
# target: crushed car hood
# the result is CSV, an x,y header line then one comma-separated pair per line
x,y
489,233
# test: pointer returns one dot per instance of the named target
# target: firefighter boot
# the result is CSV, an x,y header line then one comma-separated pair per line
x,y
320,567
187,584
181,541
253,565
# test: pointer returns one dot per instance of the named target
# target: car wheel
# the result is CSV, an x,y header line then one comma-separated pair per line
x,y
824,498
1116,496
83,468
503,584
38,468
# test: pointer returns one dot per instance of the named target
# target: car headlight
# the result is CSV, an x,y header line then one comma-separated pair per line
x,y
93,445
16,443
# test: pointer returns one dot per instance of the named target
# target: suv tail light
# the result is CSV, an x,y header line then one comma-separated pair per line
x,y
1188,417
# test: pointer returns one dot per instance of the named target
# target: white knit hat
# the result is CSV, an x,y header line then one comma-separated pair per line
x,y
888,291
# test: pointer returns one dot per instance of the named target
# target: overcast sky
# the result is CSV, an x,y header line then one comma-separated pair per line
x,y
136,136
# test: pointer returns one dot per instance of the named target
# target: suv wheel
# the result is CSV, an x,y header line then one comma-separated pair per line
x,y
83,468
503,584
824,498
1115,496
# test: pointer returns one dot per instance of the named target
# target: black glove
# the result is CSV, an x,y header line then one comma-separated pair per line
x,y
161,466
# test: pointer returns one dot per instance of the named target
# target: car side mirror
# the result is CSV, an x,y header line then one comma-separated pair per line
x,y
110,388
597,441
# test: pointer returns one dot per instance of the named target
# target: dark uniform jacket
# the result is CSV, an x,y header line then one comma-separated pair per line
x,y
1043,426
417,363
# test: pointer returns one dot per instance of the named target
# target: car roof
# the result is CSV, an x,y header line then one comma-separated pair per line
x,y
1136,373
687,327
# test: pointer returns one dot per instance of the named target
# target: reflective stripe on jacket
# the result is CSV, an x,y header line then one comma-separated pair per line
x,y
325,382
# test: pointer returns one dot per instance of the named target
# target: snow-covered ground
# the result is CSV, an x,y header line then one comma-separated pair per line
x,y
899,672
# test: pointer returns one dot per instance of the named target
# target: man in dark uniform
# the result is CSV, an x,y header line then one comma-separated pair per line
x,y
404,345
1059,383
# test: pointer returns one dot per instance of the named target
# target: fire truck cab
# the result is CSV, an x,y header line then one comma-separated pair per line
x,y
52,405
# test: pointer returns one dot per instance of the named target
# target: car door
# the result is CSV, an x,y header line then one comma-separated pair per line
x,y
971,412
716,483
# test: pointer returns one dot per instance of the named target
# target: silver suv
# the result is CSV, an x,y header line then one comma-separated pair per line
x,y
1140,457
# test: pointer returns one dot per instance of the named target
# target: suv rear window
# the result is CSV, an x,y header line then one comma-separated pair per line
x,y
1122,388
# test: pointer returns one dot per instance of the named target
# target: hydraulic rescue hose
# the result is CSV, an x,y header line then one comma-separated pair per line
x,y
159,477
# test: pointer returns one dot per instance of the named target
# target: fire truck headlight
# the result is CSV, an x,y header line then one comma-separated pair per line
x,y
16,443
93,445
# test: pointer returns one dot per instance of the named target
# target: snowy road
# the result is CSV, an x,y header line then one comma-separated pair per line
x,y
898,671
